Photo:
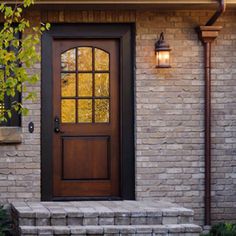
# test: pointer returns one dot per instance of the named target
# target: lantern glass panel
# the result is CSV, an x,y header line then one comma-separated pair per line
x,y
163,58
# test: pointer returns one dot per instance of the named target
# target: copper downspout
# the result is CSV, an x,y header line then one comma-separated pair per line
x,y
207,54
221,9
208,35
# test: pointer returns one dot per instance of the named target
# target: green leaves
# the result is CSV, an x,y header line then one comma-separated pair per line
x,y
222,229
17,56
2,7
27,3
5,223
45,26
48,26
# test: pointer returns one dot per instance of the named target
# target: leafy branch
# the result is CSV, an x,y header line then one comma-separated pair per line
x,y
17,55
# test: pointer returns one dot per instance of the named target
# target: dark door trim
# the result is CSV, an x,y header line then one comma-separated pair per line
x,y
125,34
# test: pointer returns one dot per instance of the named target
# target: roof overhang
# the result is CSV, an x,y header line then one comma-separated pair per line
x,y
124,1
129,4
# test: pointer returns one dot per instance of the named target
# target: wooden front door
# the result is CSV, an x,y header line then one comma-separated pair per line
x,y
86,111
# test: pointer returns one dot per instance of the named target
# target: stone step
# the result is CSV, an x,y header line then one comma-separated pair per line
x,y
99,213
115,230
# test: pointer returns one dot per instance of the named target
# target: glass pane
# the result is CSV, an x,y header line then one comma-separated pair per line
x,y
85,58
68,60
102,84
102,110
163,58
68,110
85,110
85,84
68,85
101,60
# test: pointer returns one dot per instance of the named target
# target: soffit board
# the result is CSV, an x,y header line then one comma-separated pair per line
x,y
144,2
166,4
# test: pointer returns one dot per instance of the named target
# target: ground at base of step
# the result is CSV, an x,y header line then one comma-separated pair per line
x,y
188,234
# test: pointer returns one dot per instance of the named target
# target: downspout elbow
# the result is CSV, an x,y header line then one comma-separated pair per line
x,y
221,9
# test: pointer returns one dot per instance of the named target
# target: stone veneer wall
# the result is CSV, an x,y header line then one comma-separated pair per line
x,y
169,114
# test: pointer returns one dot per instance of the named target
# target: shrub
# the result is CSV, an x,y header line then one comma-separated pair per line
x,y
5,222
222,229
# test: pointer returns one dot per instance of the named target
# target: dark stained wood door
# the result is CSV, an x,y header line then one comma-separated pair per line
x,y
86,111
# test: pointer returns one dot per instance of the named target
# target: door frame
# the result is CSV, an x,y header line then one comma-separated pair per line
x,y
125,33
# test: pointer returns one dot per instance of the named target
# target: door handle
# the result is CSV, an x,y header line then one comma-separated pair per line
x,y
57,125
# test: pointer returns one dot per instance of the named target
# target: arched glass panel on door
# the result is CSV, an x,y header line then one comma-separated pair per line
x,y
85,85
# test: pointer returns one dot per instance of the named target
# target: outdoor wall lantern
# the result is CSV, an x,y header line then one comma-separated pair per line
x,y
162,50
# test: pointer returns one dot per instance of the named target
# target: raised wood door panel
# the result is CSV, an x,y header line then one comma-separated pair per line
x,y
92,163
86,111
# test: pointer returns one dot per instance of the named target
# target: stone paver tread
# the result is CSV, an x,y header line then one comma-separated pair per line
x,y
103,218
182,228
93,209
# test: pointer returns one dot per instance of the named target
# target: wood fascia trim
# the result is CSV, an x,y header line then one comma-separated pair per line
x,y
144,2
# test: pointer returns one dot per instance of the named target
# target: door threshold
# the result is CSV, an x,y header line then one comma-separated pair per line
x,y
86,199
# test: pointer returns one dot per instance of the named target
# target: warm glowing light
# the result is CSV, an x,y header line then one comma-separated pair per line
x,y
163,59
162,53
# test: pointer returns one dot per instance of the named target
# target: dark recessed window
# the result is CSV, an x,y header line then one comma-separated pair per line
x,y
6,104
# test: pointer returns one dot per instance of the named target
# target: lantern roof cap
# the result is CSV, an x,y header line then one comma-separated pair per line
x,y
161,44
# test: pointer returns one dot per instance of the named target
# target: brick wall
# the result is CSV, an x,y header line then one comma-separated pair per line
x,y
169,114
170,104
20,164
224,122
